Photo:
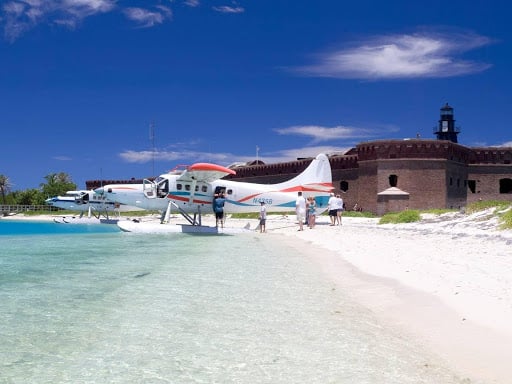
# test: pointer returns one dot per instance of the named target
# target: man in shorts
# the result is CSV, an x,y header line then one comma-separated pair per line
x,y
333,209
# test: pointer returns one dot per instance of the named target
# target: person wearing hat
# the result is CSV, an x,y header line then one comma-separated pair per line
x,y
263,217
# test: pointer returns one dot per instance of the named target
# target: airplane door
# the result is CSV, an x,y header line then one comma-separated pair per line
x,y
149,188
219,189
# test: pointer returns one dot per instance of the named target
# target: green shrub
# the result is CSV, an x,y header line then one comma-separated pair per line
x,y
439,211
408,216
481,205
506,220
357,214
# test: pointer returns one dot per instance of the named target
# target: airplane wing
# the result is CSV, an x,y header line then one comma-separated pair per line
x,y
205,172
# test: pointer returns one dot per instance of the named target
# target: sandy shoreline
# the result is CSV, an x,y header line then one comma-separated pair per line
x,y
447,283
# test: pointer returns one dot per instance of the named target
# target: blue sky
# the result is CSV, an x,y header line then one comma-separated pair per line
x,y
82,81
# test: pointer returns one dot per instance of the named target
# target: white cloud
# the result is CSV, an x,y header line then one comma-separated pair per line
x,y
62,158
320,134
147,18
192,3
84,8
191,157
142,157
19,16
228,9
401,56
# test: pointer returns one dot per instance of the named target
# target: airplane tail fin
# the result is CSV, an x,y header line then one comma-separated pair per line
x,y
315,179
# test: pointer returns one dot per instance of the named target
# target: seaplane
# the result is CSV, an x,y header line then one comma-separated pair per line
x,y
190,191
88,201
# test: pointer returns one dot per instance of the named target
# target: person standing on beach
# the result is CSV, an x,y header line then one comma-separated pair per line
x,y
339,202
218,208
333,210
300,209
311,212
263,217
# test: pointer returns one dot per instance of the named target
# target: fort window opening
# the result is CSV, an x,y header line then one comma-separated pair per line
x,y
505,185
344,186
472,186
393,180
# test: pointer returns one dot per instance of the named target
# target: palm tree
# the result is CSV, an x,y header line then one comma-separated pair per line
x,y
5,186
57,183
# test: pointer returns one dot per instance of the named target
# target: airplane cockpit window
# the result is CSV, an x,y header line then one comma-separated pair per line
x,y
179,187
162,186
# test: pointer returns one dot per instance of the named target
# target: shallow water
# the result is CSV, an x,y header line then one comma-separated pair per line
x,y
114,307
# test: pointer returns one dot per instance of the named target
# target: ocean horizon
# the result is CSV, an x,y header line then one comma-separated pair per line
x,y
99,305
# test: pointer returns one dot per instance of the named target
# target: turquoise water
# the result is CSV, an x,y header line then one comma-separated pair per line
x,y
19,227
114,307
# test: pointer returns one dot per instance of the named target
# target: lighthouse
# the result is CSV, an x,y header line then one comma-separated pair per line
x,y
446,128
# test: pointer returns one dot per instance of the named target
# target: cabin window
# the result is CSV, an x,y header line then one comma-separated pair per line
x,y
187,187
230,191
179,187
204,188
197,188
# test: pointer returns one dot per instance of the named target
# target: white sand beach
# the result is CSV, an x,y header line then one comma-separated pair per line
x,y
445,281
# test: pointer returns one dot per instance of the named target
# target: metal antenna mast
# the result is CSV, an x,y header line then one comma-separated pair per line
x,y
152,139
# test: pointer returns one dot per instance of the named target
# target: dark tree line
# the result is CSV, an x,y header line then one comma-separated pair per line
x,y
56,184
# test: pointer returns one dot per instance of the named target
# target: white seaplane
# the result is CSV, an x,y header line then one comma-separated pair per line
x,y
88,201
191,191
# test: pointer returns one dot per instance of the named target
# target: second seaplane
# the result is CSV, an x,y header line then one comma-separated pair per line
x,y
191,192
87,201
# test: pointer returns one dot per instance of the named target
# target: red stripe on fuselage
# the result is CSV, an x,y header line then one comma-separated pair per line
x,y
186,199
297,188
